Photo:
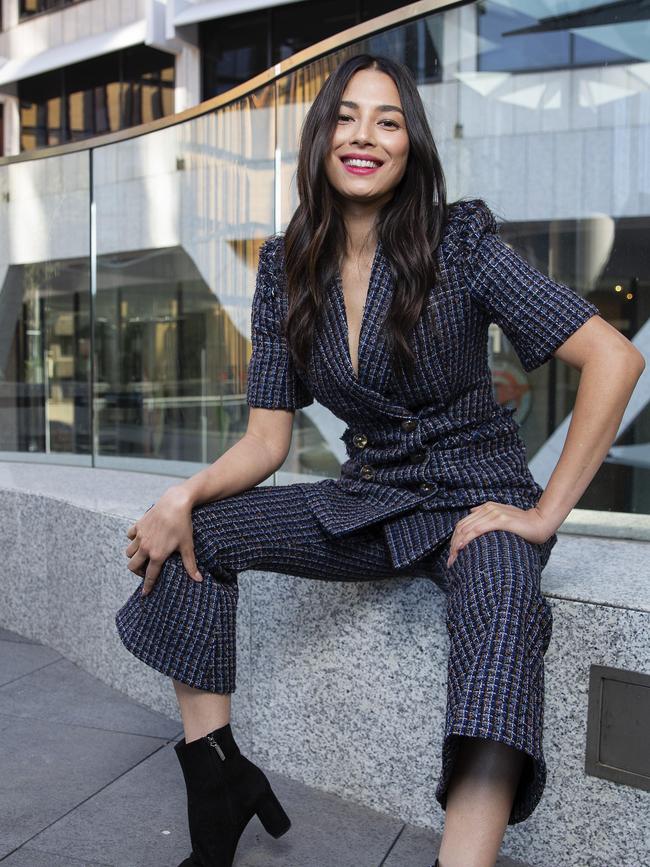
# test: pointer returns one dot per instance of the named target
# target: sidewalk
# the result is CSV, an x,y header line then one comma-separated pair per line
x,y
89,779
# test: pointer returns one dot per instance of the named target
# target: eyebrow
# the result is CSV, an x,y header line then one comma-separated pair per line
x,y
351,104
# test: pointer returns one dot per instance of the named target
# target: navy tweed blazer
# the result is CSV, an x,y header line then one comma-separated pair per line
x,y
419,452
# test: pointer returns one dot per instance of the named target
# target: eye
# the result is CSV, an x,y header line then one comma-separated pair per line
x,y
391,122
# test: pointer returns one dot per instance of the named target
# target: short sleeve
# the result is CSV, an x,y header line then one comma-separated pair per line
x,y
537,314
272,380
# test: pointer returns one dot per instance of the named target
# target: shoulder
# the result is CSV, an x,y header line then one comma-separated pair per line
x,y
272,251
270,267
468,221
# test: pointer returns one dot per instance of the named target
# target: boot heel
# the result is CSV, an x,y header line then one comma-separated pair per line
x,y
272,816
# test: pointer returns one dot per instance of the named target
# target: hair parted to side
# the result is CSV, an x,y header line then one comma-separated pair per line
x,y
409,225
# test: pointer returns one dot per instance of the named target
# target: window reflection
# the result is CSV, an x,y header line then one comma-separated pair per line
x,y
545,34
235,48
45,358
177,242
171,366
27,8
96,96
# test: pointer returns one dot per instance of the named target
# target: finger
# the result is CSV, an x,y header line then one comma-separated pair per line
x,y
133,529
131,549
492,521
458,538
470,530
189,561
142,570
137,563
459,545
151,576
464,527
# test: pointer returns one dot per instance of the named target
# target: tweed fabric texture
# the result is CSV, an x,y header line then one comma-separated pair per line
x,y
438,441
498,622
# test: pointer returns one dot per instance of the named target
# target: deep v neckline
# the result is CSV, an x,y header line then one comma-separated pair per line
x,y
338,280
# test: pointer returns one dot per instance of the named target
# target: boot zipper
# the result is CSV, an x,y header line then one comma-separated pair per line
x,y
216,746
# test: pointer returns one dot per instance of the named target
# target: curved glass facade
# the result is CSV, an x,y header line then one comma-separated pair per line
x,y
128,268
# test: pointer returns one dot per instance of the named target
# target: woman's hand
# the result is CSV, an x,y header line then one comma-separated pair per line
x,y
164,528
528,523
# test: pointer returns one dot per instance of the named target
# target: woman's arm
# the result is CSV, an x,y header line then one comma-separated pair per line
x,y
167,525
610,367
256,456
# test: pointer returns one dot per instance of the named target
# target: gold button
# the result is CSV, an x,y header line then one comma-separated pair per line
x,y
409,424
367,472
426,486
360,440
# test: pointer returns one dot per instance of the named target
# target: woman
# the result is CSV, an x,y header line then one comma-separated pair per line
x,y
386,294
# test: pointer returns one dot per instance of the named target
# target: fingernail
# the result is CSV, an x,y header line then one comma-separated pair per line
x,y
198,576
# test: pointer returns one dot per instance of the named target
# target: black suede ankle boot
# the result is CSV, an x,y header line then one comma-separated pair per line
x,y
224,791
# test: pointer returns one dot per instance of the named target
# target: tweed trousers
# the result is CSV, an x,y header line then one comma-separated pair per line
x,y
498,622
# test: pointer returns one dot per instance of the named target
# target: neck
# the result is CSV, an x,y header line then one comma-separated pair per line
x,y
360,227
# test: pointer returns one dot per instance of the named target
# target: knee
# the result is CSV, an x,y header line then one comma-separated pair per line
x,y
200,516
498,568
205,538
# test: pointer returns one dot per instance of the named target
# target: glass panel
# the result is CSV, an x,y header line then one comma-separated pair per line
x,y
181,213
44,308
548,34
560,155
235,48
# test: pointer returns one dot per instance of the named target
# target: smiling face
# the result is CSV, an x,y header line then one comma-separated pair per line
x,y
372,127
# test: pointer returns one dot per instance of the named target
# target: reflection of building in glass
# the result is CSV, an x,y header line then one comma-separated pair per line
x,y
121,89
522,35
542,108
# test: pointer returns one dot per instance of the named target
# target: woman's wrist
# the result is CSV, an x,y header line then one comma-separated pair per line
x,y
181,494
551,518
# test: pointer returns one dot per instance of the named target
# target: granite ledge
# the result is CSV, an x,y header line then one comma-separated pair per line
x,y
598,570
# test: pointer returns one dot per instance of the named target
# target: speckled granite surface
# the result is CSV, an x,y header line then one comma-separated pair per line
x,y
341,686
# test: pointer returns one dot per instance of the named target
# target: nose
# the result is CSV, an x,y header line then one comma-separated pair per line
x,y
361,133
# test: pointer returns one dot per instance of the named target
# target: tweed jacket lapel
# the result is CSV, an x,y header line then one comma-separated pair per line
x,y
351,503
332,346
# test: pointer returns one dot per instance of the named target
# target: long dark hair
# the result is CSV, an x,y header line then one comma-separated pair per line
x,y
409,225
